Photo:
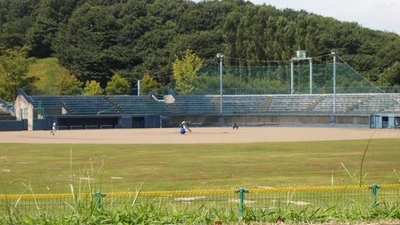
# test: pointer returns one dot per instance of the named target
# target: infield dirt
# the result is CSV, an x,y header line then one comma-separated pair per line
x,y
199,135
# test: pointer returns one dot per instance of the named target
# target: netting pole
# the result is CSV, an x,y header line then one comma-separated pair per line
x,y
291,77
98,195
311,80
374,188
221,57
138,87
241,192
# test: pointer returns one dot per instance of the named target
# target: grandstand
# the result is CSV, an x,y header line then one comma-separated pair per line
x,y
364,104
79,105
114,111
132,104
293,103
190,104
278,94
6,115
244,104
6,107
6,110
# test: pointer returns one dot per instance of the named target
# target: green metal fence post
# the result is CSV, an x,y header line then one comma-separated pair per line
x,y
241,192
98,195
374,188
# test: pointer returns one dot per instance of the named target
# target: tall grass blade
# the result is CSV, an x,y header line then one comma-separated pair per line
x,y
29,188
363,158
348,172
137,194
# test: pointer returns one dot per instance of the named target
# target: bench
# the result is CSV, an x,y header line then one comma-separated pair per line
x,y
62,127
75,127
91,127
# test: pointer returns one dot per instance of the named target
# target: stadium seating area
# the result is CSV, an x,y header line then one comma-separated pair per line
x,y
6,116
6,110
75,104
244,104
133,104
374,103
92,105
345,103
393,104
6,107
232,104
292,103
201,104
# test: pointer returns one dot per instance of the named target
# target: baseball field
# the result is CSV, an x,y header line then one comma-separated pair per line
x,y
207,158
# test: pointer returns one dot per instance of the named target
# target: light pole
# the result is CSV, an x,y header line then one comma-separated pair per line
x,y
221,57
334,53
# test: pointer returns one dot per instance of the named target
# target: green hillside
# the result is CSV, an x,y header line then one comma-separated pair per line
x,y
47,70
95,40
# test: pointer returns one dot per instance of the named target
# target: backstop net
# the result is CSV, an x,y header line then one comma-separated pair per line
x,y
273,77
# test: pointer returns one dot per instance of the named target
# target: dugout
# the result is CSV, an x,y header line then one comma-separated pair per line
x,y
140,121
385,121
71,122
65,122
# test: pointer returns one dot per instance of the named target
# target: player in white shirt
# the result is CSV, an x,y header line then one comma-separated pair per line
x,y
183,124
53,128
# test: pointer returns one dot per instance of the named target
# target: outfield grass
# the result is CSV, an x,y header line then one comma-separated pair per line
x,y
51,168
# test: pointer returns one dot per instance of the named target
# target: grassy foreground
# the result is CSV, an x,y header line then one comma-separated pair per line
x,y
158,214
48,168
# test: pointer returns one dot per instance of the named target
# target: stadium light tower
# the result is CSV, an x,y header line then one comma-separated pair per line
x,y
300,55
221,57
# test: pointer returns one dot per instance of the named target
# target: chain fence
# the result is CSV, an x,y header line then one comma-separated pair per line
x,y
323,197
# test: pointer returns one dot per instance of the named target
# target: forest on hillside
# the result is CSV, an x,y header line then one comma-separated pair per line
x,y
96,39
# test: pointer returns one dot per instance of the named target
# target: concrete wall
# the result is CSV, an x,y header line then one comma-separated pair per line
x,y
21,106
30,117
169,99
12,125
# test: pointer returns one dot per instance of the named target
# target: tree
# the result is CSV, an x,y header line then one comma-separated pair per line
x,y
95,39
13,74
92,88
15,19
68,85
88,44
147,84
391,76
184,71
39,37
118,86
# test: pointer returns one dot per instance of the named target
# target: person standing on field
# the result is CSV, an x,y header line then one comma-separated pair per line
x,y
53,128
235,126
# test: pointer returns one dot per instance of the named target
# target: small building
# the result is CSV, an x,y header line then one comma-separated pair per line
x,y
384,120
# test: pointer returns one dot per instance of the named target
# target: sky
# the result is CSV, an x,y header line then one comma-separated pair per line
x,y
381,15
